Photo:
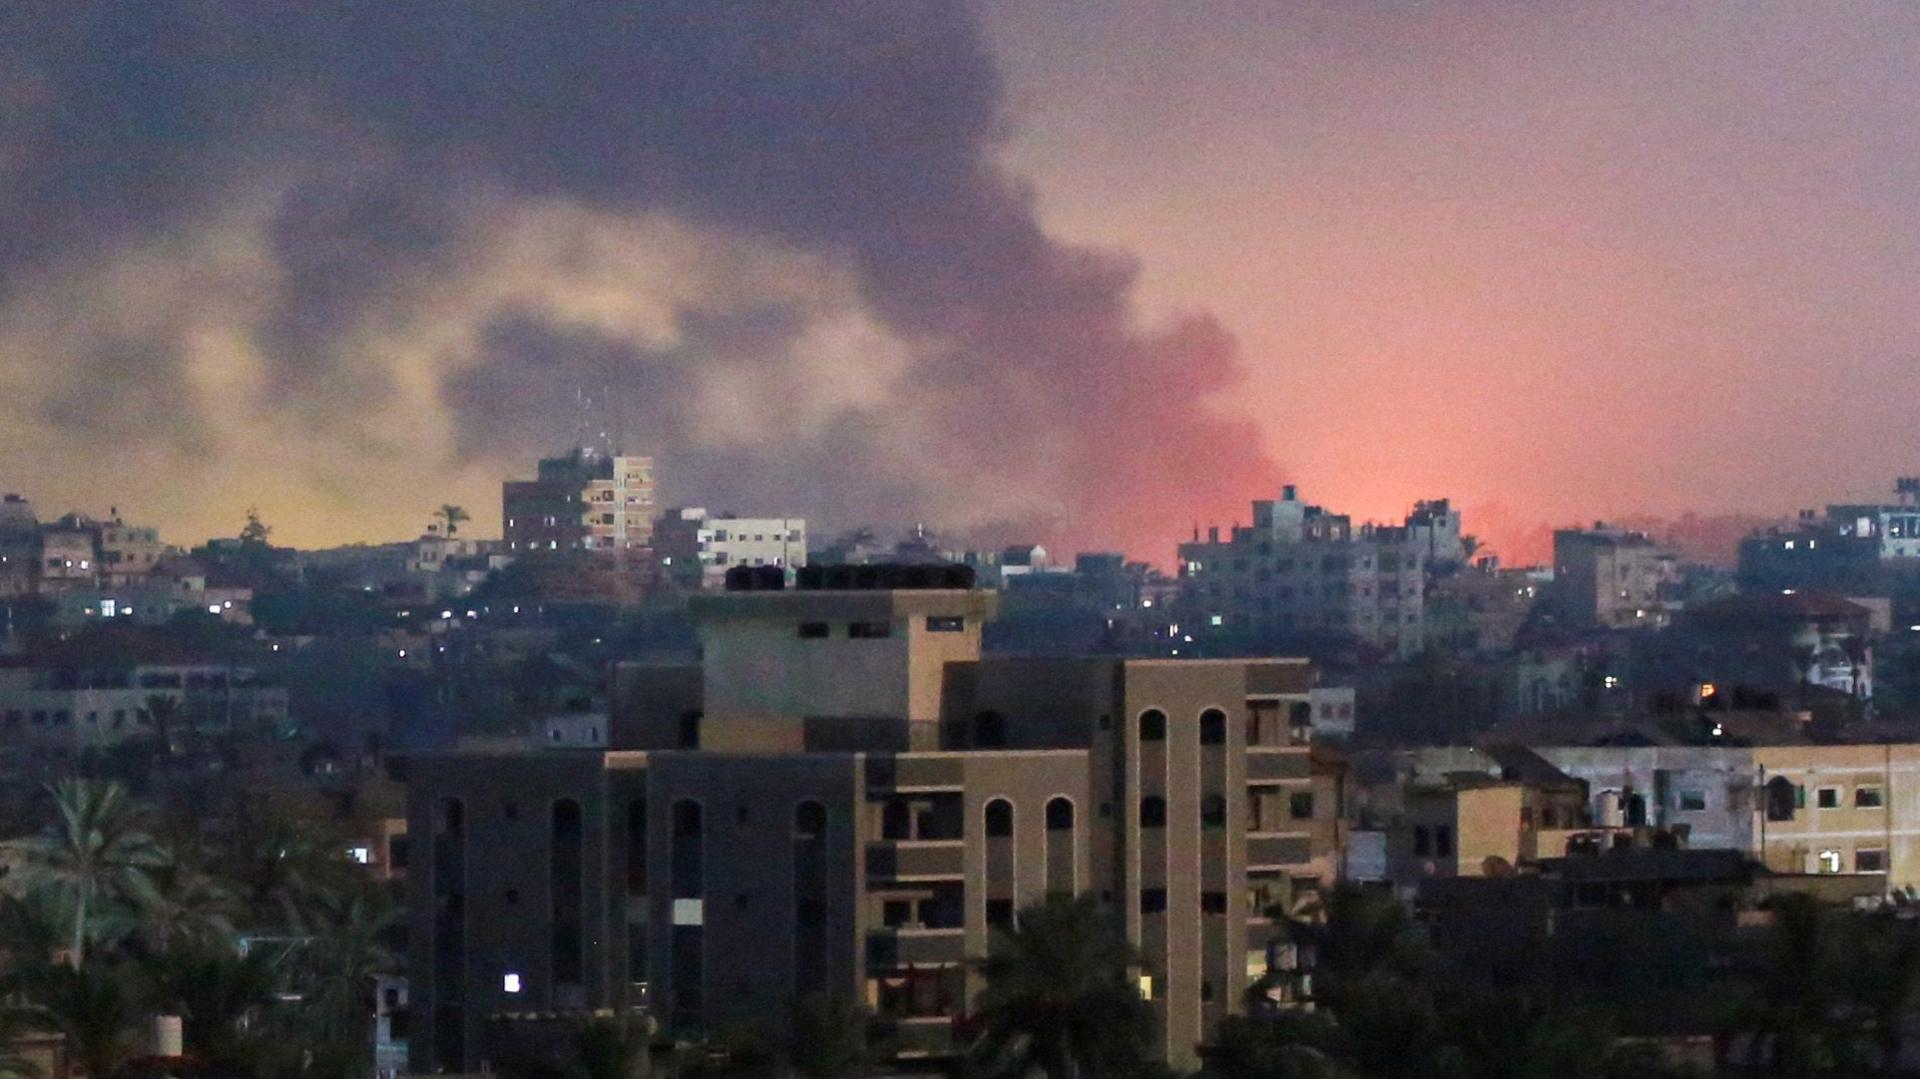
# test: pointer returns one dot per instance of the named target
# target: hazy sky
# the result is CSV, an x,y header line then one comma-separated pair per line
x,y
1575,259
1086,272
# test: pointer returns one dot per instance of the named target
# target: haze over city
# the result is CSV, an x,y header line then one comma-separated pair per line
x,y
1025,270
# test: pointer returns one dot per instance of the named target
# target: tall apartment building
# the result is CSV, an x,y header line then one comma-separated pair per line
x,y
1612,578
1300,573
586,500
845,797
697,548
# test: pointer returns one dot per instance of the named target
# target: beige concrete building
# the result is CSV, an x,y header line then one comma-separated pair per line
x,y
1840,809
697,548
585,500
1611,578
845,797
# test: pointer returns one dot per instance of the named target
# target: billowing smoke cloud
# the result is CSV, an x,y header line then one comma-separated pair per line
x,y
344,260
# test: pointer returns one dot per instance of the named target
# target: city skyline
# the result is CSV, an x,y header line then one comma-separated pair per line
x,y
891,265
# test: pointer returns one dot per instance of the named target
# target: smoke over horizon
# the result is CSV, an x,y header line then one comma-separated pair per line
x,y
350,263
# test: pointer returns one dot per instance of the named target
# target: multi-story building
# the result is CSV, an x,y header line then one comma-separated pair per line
x,y
67,556
1798,809
68,708
697,548
845,797
1840,809
1301,575
586,500
1612,578
127,552
1870,549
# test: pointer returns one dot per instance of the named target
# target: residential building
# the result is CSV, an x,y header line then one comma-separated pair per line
x,y
1301,576
128,552
697,548
69,707
1761,650
67,555
1840,809
1612,578
585,500
1864,549
844,796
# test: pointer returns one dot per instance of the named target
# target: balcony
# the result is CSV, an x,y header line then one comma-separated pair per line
x,y
907,946
1269,765
1283,850
929,860
915,773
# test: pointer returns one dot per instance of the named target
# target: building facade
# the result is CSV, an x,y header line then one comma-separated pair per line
x,y
1302,574
1612,578
697,548
586,500
845,797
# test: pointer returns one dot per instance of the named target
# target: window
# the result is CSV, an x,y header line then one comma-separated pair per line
x,y
1213,727
1869,861
1783,798
813,631
1422,842
1153,812
1300,805
1866,797
1000,913
1828,861
990,730
690,730
1153,725
1442,841
1213,812
1153,901
939,623
999,819
1213,902
1692,801
1826,798
869,631
1060,815
810,821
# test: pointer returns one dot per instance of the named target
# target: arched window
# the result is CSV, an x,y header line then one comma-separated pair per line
x,y
1213,812
1213,727
999,819
1060,814
1153,811
809,820
1153,725
990,730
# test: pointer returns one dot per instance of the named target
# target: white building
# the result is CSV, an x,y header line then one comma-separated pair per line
x,y
698,548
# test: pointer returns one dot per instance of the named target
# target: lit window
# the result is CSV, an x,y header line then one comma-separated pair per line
x,y
510,983
363,855
1829,861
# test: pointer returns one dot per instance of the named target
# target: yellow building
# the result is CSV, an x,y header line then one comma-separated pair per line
x,y
1840,809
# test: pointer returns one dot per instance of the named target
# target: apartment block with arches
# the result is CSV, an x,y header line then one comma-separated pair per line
x,y
845,797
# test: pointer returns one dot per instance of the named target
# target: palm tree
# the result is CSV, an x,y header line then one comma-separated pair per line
x,y
184,901
213,989
453,516
92,1008
339,969
1060,999
161,711
95,851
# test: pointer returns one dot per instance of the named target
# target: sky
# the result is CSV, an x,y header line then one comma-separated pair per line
x,y
1083,273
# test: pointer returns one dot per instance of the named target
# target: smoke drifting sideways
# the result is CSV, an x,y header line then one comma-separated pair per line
x,y
350,260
